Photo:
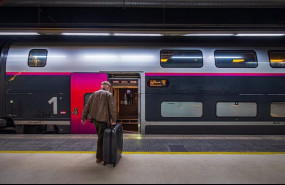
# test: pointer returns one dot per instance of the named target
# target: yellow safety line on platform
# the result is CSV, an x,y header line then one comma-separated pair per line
x,y
148,153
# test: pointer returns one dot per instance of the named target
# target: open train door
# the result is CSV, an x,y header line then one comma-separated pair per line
x,y
82,87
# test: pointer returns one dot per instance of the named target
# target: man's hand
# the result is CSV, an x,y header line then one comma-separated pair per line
x,y
83,122
113,123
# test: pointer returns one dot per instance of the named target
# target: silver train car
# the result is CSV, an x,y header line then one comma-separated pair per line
x,y
159,88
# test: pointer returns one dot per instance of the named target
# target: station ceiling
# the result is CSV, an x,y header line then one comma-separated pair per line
x,y
260,15
148,3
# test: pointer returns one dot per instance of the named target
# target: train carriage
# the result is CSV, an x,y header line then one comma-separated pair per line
x,y
159,88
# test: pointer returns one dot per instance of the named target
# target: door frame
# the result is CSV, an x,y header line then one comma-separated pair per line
x,y
139,91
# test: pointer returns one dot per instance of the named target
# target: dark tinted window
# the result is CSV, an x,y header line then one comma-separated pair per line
x,y
38,58
277,59
236,109
86,97
278,109
181,59
236,59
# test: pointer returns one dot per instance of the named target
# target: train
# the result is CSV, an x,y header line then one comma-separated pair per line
x,y
160,87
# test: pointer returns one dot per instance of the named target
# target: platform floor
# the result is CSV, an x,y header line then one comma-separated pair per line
x,y
66,168
230,164
145,143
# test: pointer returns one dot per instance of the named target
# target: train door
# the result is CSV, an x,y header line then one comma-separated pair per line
x,y
126,94
82,86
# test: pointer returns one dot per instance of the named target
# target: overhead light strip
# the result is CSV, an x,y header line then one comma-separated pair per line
x,y
239,35
19,33
208,35
115,34
259,35
138,34
86,34
148,34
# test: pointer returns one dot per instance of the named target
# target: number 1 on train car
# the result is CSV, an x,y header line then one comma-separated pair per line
x,y
83,84
54,102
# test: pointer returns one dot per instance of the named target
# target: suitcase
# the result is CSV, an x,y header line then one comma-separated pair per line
x,y
113,144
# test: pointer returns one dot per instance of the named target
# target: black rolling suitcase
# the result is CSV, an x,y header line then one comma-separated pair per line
x,y
113,144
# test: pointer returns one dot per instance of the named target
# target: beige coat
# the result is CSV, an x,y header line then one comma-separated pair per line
x,y
100,107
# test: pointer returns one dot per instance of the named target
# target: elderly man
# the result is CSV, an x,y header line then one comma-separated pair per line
x,y
101,111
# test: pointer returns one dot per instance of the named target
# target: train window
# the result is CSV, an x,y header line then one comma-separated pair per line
x,y
158,83
181,59
278,110
86,97
38,58
236,59
236,109
277,59
182,109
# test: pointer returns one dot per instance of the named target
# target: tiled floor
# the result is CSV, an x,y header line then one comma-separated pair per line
x,y
145,143
35,159
36,168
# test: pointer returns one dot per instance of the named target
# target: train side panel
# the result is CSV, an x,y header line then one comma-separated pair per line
x,y
39,100
211,93
207,98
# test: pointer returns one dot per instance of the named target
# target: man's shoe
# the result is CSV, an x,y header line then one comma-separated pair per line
x,y
99,160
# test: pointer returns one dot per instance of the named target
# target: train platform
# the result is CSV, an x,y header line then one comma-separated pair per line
x,y
37,159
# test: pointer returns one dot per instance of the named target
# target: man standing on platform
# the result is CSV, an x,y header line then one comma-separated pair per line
x,y
101,110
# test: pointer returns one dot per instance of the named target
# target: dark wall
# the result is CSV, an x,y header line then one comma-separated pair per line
x,y
107,17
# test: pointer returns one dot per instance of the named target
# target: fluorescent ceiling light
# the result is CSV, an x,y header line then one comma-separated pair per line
x,y
86,34
208,35
18,33
259,35
138,34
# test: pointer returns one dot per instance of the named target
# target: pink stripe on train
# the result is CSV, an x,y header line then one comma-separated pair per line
x,y
152,74
215,74
36,74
